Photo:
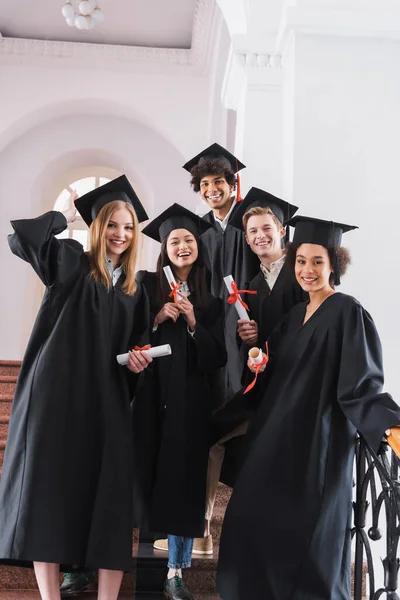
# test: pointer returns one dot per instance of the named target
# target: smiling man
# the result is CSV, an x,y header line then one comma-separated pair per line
x,y
225,248
261,216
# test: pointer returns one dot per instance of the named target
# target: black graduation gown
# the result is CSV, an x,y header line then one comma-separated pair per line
x,y
66,483
286,534
171,411
227,253
267,308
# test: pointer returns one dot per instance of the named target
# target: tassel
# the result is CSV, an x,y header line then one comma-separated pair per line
x,y
336,274
238,194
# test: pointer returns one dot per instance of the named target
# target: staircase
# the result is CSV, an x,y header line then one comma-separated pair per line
x,y
148,565
9,370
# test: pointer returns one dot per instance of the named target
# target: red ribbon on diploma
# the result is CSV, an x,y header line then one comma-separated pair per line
x,y
139,349
174,291
258,367
235,297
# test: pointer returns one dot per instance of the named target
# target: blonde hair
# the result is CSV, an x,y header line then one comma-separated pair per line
x,y
257,211
98,249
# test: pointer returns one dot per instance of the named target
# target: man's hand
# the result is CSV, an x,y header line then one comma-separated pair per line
x,y
248,331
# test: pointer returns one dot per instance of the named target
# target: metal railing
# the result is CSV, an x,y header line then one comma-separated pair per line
x,y
377,503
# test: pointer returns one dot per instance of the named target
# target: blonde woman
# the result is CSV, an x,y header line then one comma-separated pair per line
x,y
66,485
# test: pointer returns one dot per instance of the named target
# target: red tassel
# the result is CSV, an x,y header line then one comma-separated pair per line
x,y
238,194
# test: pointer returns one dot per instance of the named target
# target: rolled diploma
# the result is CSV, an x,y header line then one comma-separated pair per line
x,y
170,277
255,355
154,352
241,311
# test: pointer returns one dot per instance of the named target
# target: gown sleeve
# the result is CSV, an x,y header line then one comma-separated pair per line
x,y
34,241
360,380
209,338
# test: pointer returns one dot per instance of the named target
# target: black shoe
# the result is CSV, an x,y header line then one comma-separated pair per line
x,y
74,583
175,589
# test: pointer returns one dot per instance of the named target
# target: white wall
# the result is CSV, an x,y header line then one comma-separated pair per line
x,y
345,164
58,122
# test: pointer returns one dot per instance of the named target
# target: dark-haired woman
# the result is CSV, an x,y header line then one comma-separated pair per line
x,y
286,534
172,408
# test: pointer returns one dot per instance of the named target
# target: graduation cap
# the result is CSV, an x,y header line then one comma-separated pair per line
x,y
90,204
309,230
255,197
175,217
215,151
317,231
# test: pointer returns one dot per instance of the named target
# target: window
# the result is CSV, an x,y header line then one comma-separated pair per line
x,y
78,229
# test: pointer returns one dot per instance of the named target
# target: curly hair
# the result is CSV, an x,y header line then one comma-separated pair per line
x,y
213,166
339,259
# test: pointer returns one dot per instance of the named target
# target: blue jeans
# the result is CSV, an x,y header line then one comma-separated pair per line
x,y
179,552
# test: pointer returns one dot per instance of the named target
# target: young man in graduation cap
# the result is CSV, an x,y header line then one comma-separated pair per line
x,y
261,215
225,248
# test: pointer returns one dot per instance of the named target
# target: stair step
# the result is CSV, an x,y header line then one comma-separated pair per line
x,y
4,419
10,367
8,378
6,397
15,579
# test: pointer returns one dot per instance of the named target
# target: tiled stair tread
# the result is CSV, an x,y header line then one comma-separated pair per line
x,y
10,363
6,397
8,378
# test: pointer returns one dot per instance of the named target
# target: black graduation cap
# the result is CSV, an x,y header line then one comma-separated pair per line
x,y
212,152
317,231
120,188
255,197
324,233
175,217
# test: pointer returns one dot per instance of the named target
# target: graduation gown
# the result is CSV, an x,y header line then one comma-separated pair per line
x,y
171,412
286,534
267,308
66,483
227,253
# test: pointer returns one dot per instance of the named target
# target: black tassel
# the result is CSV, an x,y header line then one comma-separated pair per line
x,y
336,273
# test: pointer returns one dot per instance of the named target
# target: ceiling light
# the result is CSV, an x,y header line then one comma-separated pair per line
x,y
82,14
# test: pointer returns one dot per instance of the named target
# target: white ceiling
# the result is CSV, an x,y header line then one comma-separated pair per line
x,y
150,23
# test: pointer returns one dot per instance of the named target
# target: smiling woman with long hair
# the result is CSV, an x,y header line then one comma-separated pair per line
x,y
66,484
172,407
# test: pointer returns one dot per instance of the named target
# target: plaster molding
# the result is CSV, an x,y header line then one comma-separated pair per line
x,y
254,72
379,23
108,56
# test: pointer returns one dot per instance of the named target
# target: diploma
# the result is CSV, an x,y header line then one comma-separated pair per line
x,y
241,311
256,356
172,282
154,352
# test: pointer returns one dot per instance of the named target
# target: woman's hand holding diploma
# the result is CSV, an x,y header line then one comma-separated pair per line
x,y
168,311
138,361
186,310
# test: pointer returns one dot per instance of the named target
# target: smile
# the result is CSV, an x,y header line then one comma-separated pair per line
x,y
215,197
183,254
309,279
